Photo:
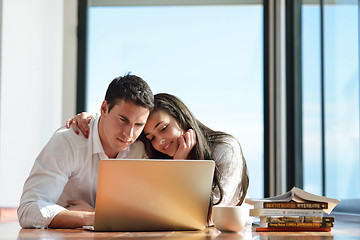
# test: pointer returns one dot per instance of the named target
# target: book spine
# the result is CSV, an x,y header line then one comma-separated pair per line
x,y
292,205
285,212
306,219
291,224
292,229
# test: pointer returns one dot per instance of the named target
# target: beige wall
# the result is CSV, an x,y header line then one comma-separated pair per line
x,y
37,83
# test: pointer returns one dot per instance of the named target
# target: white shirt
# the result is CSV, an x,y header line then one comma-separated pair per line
x,y
228,159
66,169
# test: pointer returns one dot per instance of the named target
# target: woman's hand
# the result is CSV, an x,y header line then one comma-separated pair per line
x,y
186,144
80,122
79,205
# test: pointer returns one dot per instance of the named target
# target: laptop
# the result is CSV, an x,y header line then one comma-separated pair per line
x,y
153,195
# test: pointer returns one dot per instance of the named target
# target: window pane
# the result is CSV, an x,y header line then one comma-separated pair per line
x,y
211,57
311,77
341,103
342,100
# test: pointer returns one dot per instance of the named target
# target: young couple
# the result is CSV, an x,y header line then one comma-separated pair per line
x,y
61,189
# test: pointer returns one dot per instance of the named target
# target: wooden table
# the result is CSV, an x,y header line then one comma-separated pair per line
x,y
346,227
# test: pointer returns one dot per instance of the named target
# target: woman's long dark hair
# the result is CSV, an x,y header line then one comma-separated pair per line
x,y
207,139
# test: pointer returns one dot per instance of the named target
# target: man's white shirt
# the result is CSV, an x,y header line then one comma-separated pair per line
x,y
66,169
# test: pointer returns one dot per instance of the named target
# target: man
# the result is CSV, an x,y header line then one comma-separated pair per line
x,y
61,189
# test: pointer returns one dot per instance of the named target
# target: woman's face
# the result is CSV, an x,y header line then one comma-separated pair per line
x,y
163,131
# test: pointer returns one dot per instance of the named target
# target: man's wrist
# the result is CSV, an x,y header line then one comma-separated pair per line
x,y
89,218
72,219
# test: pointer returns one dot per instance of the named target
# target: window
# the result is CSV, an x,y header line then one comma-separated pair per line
x,y
330,44
209,55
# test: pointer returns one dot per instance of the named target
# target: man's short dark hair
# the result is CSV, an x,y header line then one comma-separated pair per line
x,y
129,88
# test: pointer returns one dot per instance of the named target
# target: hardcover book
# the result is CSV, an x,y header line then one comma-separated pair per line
x,y
292,229
299,196
285,212
291,205
296,219
295,210
296,224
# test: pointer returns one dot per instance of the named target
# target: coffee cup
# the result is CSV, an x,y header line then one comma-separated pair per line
x,y
230,218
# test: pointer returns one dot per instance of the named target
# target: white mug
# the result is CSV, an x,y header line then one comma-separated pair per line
x,y
230,218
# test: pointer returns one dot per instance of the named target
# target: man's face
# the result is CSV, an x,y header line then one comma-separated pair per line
x,y
120,127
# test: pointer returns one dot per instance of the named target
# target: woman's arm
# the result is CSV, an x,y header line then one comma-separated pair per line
x,y
229,161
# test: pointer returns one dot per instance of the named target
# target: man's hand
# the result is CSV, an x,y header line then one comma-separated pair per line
x,y
80,214
80,122
186,144
72,219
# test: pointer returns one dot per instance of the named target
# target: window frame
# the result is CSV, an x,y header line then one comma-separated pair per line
x,y
344,206
83,6
283,150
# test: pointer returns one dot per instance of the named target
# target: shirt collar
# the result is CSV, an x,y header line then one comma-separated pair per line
x,y
94,129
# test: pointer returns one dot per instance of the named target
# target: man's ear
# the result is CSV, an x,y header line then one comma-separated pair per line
x,y
104,107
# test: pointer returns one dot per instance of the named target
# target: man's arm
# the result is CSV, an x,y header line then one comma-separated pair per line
x,y
48,177
78,214
72,219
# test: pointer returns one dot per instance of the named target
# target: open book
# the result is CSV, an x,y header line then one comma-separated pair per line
x,y
299,195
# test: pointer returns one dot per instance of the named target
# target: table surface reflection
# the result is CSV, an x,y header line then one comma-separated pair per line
x,y
345,227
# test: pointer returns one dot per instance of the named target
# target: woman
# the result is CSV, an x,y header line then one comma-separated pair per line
x,y
172,131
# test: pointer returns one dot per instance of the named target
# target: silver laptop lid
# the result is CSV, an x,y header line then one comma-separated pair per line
x,y
153,195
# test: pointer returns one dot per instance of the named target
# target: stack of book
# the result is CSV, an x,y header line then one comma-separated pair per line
x,y
296,210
